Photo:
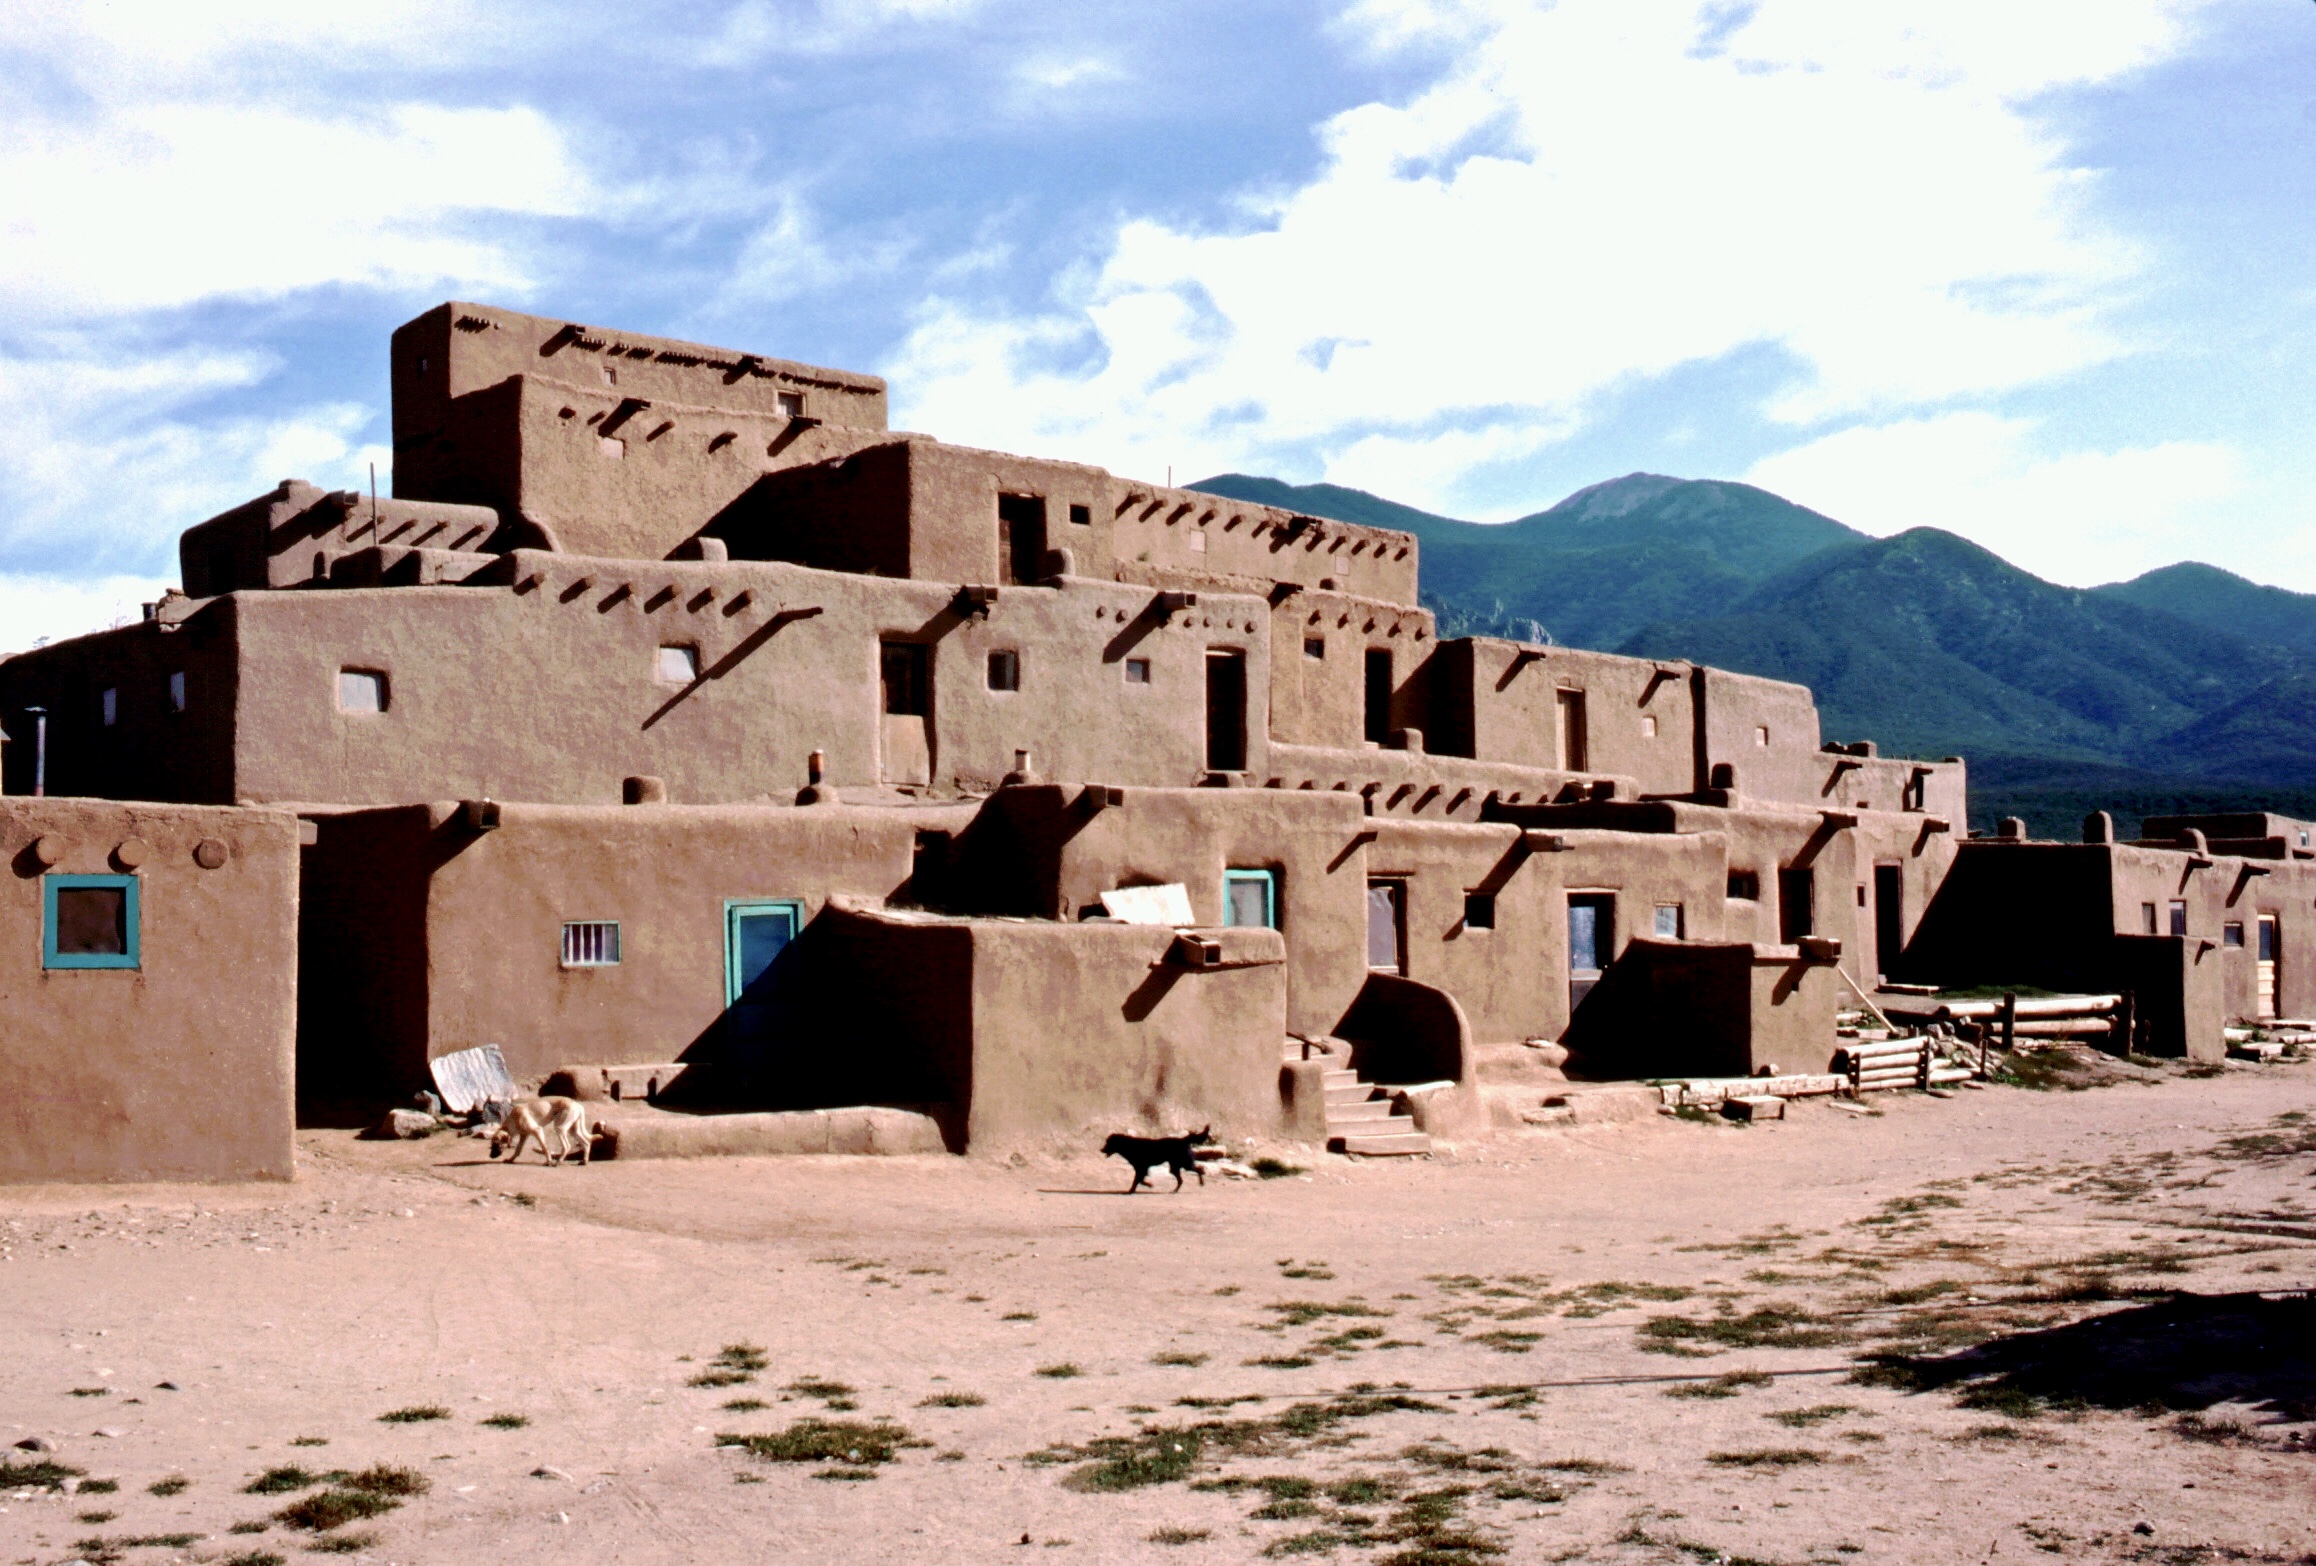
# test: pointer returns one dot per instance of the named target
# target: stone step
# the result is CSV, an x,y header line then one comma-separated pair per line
x,y
1351,1093
1338,1079
1397,1138
1361,1113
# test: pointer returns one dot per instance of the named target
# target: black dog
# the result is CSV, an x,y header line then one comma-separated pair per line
x,y
1146,1153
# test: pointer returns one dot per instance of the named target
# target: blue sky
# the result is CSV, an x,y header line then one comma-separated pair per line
x,y
2040,274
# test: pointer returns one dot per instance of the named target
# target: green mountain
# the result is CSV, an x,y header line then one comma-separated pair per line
x,y
2186,689
2223,601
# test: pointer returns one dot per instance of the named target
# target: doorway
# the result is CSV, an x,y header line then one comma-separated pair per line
x,y
1574,750
1796,915
1591,942
1020,539
1225,710
1378,695
1889,917
2267,966
1387,926
755,934
906,676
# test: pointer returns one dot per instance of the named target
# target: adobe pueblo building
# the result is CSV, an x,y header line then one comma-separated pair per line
x,y
685,731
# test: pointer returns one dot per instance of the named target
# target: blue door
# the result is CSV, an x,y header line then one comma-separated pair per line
x,y
755,934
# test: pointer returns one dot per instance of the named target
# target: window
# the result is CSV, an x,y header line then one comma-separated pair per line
x,y
678,665
790,404
1137,671
1591,942
1745,886
1648,725
1005,671
88,921
1315,647
1378,694
1761,735
110,701
1197,541
1082,516
2267,938
1020,539
2303,838
2147,917
2232,934
591,943
2179,918
1387,926
1251,898
1225,710
1479,910
1670,926
177,691
611,446
1861,894
902,667
1574,750
755,934
361,690
422,364
1796,905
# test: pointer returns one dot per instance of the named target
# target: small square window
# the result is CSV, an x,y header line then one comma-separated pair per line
x,y
2232,934
1648,725
2147,917
2179,918
1861,890
591,943
1005,671
2303,839
1250,898
1670,925
678,665
1761,735
1745,886
1082,516
1479,910
1137,671
1197,542
422,364
177,691
1314,647
110,701
361,690
791,404
610,375
89,921
611,446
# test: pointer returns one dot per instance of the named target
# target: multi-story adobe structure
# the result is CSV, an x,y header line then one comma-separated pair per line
x,y
674,709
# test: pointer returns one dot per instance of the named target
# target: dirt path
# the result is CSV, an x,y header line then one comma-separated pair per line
x,y
2010,1325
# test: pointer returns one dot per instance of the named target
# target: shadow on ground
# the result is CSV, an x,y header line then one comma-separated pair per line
x,y
2185,1353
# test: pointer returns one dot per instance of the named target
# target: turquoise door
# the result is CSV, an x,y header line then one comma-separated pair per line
x,y
755,934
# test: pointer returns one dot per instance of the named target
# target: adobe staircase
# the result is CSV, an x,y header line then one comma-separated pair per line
x,y
1359,1119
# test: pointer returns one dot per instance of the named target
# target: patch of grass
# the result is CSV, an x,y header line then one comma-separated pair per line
x,y
1298,1313
952,1400
387,1479
513,1421
1281,1362
1019,1315
1164,1454
1272,1169
249,1527
1769,1326
1504,1341
1363,1491
1767,1457
1177,1357
1527,1490
1921,1291
175,1484
416,1414
309,1441
334,1508
1815,1414
92,1391
1061,1372
851,1441
256,1558
1723,1386
343,1544
846,1474
39,1474
93,1486
1589,1467
95,1519
1180,1535
1441,1455
1997,1397
816,1386
281,1481
1158,1455
745,1405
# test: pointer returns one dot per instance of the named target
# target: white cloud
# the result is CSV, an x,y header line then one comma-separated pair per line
x,y
46,608
1594,193
2081,517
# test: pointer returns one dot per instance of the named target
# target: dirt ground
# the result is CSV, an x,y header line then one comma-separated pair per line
x,y
2006,1325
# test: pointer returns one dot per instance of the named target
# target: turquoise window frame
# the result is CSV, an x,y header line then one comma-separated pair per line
x,y
50,957
736,909
1270,885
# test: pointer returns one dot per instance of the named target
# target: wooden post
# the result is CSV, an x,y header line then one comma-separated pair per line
x,y
2126,1018
2009,1023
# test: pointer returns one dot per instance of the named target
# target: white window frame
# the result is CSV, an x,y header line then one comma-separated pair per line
x,y
591,943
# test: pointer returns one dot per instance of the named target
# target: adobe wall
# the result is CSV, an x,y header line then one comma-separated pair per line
x,y
1084,1029
1319,668
1716,1009
1765,729
1170,537
297,533
493,905
151,750
2227,891
1938,789
181,1068
1499,701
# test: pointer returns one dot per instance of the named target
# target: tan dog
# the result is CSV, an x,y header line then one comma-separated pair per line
x,y
531,1119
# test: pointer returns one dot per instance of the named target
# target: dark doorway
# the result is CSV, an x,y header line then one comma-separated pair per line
x,y
1889,917
906,754
1225,711
1591,942
1378,694
1575,749
1796,890
1020,539
1387,926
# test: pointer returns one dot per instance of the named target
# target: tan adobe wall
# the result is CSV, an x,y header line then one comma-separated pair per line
x,y
1501,701
296,534
1319,695
1174,536
152,749
552,693
2217,896
1766,729
1721,1009
1931,788
180,1068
